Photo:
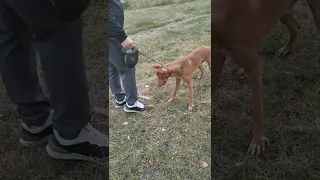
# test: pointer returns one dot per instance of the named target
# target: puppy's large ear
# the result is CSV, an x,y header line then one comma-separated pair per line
x,y
156,67
159,68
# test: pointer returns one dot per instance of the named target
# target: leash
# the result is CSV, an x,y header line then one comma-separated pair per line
x,y
149,58
163,65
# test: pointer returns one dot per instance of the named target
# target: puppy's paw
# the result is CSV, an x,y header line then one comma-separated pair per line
x,y
170,100
190,108
258,147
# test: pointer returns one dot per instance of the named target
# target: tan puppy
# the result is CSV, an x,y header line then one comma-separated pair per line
x,y
238,29
184,68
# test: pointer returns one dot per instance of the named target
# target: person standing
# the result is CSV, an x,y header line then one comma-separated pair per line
x,y
118,70
56,33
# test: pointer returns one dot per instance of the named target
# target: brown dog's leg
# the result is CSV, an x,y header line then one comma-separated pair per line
x,y
202,70
178,80
253,66
189,81
293,26
217,64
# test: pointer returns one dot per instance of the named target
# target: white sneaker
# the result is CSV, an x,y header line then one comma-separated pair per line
x,y
136,107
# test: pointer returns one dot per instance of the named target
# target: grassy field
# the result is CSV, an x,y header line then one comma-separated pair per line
x,y
292,112
20,163
169,136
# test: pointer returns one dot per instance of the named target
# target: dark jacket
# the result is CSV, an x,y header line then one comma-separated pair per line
x,y
116,21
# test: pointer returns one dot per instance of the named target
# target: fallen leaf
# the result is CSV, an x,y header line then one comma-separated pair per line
x,y
125,123
203,164
146,86
151,106
163,129
128,137
149,161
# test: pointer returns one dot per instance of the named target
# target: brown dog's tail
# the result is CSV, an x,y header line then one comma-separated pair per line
x,y
202,43
315,9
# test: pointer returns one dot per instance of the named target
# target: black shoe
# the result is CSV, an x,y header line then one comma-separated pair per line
x,y
120,104
31,136
91,145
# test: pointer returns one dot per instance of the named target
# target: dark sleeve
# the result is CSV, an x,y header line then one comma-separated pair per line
x,y
115,29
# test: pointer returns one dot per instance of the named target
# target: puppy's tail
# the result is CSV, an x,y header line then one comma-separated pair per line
x,y
202,43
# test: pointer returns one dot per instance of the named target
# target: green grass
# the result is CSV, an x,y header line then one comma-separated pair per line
x,y
140,4
174,138
137,20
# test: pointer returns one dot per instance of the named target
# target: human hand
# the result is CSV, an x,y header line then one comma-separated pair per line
x,y
127,43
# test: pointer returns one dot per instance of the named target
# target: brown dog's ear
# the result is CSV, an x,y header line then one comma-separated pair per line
x,y
159,68
156,67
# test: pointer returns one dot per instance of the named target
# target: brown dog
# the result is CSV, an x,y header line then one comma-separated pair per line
x,y
184,68
238,29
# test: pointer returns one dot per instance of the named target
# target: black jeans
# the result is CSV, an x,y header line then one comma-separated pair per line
x,y
29,25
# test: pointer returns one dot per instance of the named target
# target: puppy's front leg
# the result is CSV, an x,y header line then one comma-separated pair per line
x,y
190,87
178,80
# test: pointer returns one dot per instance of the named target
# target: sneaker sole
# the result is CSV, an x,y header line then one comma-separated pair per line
x,y
131,111
34,143
118,106
69,156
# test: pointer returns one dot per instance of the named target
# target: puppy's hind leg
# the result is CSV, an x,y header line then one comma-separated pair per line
x,y
189,81
293,26
201,74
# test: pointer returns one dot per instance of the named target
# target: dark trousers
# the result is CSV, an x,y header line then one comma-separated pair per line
x,y
26,25
118,71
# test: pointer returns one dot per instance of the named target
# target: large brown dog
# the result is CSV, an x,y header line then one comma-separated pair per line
x,y
238,29
184,68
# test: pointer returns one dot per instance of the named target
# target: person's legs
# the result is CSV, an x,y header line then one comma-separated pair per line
x,y
128,77
61,53
115,85
19,74
129,84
